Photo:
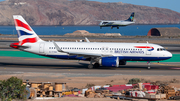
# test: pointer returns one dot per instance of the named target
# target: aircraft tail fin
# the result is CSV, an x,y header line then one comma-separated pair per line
x,y
131,18
25,32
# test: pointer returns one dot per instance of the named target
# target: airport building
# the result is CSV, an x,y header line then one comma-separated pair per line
x,y
169,31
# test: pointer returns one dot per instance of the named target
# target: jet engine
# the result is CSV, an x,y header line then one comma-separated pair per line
x,y
109,61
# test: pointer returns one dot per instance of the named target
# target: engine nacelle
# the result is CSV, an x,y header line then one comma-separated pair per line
x,y
122,62
109,61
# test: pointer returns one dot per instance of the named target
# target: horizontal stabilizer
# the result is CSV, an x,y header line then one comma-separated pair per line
x,y
17,46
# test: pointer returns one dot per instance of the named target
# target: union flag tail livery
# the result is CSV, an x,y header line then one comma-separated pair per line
x,y
98,53
25,32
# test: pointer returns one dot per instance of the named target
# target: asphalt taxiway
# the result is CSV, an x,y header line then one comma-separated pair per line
x,y
16,65
74,68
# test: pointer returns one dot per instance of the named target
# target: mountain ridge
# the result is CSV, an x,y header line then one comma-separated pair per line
x,y
65,12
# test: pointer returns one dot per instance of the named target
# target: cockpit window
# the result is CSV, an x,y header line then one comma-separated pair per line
x,y
161,49
104,23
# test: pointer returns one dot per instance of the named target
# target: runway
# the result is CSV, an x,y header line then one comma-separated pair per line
x,y
75,68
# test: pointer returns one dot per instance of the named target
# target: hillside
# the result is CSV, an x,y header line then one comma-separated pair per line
x,y
65,12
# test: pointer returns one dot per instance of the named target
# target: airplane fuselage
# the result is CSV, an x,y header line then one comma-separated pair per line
x,y
115,23
125,51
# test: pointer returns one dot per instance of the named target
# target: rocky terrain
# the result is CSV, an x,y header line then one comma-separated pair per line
x,y
81,12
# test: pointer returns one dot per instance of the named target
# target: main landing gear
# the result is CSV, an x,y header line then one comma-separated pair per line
x,y
149,65
91,65
112,27
96,65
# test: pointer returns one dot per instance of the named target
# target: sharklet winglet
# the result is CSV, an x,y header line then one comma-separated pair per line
x,y
57,47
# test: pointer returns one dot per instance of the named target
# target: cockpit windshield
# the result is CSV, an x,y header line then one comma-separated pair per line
x,y
161,49
104,23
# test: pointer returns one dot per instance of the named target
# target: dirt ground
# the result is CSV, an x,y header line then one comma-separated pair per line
x,y
81,82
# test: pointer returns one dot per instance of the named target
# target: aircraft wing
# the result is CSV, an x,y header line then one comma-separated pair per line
x,y
88,54
85,54
80,53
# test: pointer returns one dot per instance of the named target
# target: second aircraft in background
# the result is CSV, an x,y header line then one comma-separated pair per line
x,y
117,23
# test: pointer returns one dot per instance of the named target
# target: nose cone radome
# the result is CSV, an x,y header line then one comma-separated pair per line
x,y
168,54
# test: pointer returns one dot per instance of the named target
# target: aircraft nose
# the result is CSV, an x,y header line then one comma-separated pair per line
x,y
168,54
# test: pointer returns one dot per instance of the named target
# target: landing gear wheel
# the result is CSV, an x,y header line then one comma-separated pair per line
x,y
90,66
149,65
96,65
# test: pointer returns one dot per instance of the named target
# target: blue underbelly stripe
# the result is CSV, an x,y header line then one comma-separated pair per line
x,y
126,58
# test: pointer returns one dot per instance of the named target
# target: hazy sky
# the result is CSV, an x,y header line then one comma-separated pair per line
x,y
169,4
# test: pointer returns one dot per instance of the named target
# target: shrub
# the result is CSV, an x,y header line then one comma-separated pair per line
x,y
89,85
134,81
12,88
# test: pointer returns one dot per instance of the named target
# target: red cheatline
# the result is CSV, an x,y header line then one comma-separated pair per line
x,y
143,47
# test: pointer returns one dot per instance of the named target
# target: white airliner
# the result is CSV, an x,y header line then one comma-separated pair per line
x,y
117,23
98,53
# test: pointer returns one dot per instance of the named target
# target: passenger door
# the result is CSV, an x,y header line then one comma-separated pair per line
x,y
41,48
148,52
